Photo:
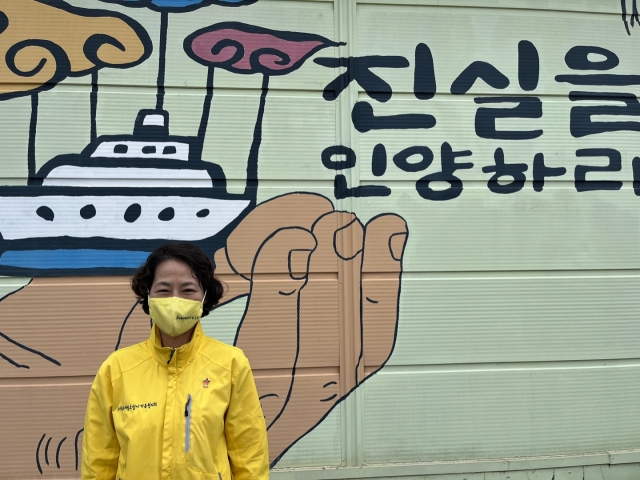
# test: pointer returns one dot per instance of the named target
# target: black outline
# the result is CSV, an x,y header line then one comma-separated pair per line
x,y
623,5
162,59
269,395
33,131
58,452
94,106
12,362
46,451
330,398
124,323
38,453
251,188
76,443
254,59
31,350
206,107
205,3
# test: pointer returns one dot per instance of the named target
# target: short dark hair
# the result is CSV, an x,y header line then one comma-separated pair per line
x,y
184,252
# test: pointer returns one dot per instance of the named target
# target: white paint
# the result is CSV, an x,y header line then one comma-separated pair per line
x,y
71,176
18,218
134,150
153,120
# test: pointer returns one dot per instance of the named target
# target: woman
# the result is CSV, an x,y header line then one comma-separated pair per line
x,y
179,405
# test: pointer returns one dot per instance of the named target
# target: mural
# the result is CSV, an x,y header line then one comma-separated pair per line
x,y
102,210
316,271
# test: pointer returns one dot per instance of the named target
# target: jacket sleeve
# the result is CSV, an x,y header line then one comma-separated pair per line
x,y
245,428
100,447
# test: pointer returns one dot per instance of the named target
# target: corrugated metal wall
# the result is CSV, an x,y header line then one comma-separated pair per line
x,y
483,129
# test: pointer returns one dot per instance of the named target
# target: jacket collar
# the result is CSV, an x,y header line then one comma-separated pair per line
x,y
181,356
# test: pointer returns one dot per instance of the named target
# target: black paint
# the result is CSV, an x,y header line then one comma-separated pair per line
x,y
581,124
13,362
424,75
379,160
251,189
38,453
528,66
479,70
401,159
58,452
541,171
93,99
577,58
203,213
162,60
330,152
167,214
206,107
364,120
31,350
449,166
615,165
88,211
45,213
132,213
485,122
359,69
341,189
33,130
501,169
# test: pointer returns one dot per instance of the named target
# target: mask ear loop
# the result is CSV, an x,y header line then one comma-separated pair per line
x,y
205,296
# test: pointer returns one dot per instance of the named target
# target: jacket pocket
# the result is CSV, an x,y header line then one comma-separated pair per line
x,y
187,425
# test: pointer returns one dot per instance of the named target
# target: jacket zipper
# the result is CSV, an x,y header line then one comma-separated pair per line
x,y
173,350
187,432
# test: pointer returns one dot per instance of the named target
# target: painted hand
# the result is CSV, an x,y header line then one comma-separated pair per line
x,y
322,307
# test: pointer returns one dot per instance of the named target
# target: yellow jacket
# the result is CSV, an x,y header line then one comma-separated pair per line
x,y
187,413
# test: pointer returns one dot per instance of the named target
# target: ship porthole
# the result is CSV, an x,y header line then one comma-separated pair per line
x,y
133,213
167,214
203,213
87,212
45,213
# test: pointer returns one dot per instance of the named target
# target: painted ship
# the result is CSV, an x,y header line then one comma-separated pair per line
x,y
104,210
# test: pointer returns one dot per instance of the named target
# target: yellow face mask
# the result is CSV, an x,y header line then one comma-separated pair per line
x,y
175,315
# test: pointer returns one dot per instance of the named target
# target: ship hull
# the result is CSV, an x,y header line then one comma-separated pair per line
x,y
49,231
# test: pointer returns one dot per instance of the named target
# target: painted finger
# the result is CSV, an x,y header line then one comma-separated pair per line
x,y
340,237
79,336
268,333
235,285
292,210
384,244
312,398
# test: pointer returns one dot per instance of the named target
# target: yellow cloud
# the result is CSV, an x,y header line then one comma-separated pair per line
x,y
44,41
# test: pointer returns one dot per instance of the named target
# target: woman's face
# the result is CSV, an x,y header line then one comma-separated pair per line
x,y
174,278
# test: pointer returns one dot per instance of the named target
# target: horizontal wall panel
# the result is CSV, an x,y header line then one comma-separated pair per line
x,y
491,35
412,154
42,429
322,447
556,229
84,320
530,319
457,415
